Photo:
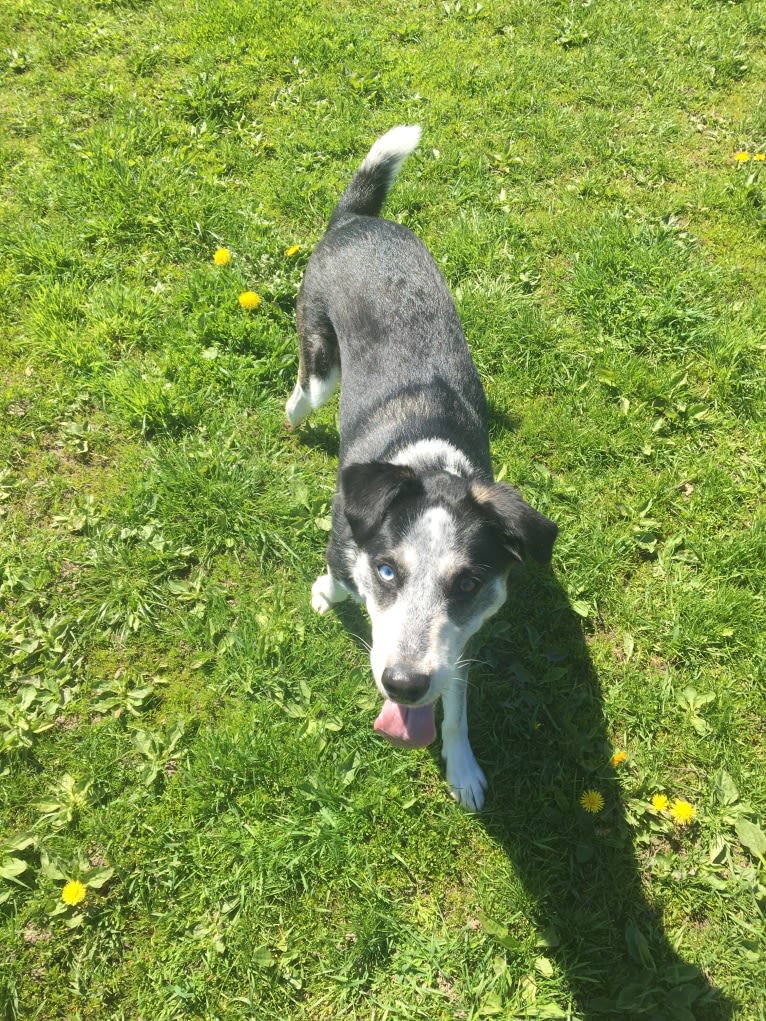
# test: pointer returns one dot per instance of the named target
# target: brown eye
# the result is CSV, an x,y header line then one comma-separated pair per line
x,y
466,585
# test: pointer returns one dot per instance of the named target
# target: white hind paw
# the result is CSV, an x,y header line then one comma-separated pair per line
x,y
297,407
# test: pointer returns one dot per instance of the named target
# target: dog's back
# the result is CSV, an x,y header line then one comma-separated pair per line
x,y
372,288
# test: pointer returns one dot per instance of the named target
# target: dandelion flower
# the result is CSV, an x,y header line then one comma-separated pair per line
x,y
592,801
249,300
759,157
682,812
222,257
741,157
74,892
659,802
292,250
618,758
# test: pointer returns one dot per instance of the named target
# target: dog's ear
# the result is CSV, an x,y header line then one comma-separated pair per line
x,y
525,531
368,491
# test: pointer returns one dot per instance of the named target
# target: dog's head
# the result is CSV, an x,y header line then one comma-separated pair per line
x,y
435,550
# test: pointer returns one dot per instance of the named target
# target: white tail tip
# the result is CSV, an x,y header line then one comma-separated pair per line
x,y
395,145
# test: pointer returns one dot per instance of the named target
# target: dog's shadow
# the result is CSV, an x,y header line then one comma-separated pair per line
x,y
500,421
546,746
538,727
318,436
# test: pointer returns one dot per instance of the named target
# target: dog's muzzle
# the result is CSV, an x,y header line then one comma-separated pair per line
x,y
402,720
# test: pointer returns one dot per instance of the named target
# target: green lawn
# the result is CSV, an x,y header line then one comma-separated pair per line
x,y
178,731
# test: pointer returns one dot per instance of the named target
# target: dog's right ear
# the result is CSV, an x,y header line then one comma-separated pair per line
x,y
368,490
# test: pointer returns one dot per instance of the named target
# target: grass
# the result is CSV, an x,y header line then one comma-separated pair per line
x,y
178,731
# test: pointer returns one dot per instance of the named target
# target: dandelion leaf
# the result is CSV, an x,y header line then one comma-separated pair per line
x,y
751,837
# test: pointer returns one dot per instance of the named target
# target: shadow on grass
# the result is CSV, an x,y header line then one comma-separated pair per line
x,y
537,724
500,420
320,437
546,745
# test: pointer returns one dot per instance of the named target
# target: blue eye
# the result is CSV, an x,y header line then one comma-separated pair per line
x,y
386,572
467,584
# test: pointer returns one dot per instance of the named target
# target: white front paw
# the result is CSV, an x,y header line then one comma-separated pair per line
x,y
325,591
467,783
321,591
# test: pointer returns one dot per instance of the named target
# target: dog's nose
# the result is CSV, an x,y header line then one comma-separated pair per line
x,y
405,686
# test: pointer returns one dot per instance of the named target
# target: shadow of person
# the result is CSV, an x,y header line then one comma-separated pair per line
x,y
547,745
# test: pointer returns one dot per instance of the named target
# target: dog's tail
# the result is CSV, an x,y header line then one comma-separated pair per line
x,y
372,181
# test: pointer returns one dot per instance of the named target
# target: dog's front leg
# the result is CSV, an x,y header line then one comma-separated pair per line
x,y
326,590
466,780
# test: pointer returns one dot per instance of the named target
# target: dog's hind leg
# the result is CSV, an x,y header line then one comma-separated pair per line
x,y
466,780
318,366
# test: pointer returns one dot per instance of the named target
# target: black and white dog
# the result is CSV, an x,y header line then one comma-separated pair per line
x,y
421,533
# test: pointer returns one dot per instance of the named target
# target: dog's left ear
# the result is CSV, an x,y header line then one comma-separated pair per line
x,y
368,491
525,531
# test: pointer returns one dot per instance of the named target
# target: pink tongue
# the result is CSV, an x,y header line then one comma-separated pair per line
x,y
405,725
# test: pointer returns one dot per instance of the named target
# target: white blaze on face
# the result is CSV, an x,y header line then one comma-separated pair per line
x,y
415,628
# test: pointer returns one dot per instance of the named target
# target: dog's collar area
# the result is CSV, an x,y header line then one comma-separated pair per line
x,y
434,454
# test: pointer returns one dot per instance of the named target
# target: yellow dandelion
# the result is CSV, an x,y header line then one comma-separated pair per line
x,y
292,250
682,812
618,758
249,300
222,257
74,892
592,801
659,802
742,157
759,157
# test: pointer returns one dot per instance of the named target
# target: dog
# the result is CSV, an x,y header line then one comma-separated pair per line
x,y
421,533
